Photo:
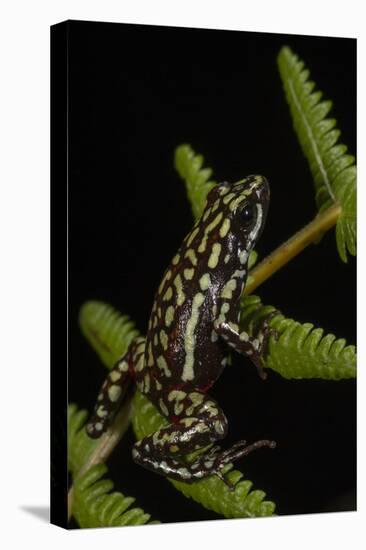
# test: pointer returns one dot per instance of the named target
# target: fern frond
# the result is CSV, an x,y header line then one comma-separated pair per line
x,y
109,332
95,505
301,350
197,179
80,446
333,170
212,492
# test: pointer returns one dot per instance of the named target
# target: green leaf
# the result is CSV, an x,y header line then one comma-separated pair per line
x,y
80,446
301,350
96,505
333,170
197,179
107,331
101,321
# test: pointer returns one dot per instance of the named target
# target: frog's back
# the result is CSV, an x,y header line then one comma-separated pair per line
x,y
182,348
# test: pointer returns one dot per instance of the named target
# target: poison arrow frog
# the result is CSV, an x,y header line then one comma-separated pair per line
x,y
195,317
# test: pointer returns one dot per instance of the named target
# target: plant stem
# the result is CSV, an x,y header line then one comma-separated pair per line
x,y
107,443
291,248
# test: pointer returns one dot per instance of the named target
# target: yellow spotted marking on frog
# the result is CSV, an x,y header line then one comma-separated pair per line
x,y
189,337
211,408
238,200
215,205
178,395
150,362
162,364
225,308
209,228
192,236
221,319
178,408
196,397
227,258
203,243
173,448
140,363
101,412
163,408
187,422
243,256
155,339
180,294
188,274
164,339
224,189
224,229
176,259
114,393
213,224
227,291
228,198
114,375
169,316
206,214
168,294
214,257
205,281
191,255
165,279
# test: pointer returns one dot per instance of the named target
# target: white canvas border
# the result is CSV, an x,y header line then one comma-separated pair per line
x,y
24,218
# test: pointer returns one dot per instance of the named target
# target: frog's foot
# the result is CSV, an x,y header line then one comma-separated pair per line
x,y
263,333
212,462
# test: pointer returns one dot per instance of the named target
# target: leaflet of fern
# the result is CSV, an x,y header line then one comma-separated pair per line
x,y
333,170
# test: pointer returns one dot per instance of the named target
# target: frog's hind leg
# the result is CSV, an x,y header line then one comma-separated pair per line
x,y
114,389
201,423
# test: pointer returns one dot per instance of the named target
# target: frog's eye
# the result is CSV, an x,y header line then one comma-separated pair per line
x,y
247,216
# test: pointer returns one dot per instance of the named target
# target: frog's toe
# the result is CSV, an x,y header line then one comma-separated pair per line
x,y
268,331
214,451
241,449
228,483
94,429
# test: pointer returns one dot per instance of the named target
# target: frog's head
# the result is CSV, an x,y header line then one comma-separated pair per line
x,y
244,205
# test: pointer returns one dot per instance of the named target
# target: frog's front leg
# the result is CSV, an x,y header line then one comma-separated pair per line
x,y
198,422
226,325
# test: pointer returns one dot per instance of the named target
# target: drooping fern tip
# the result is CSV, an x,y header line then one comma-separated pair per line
x,y
197,178
333,170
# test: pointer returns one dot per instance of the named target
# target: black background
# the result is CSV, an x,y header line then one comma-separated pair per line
x,y
136,92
